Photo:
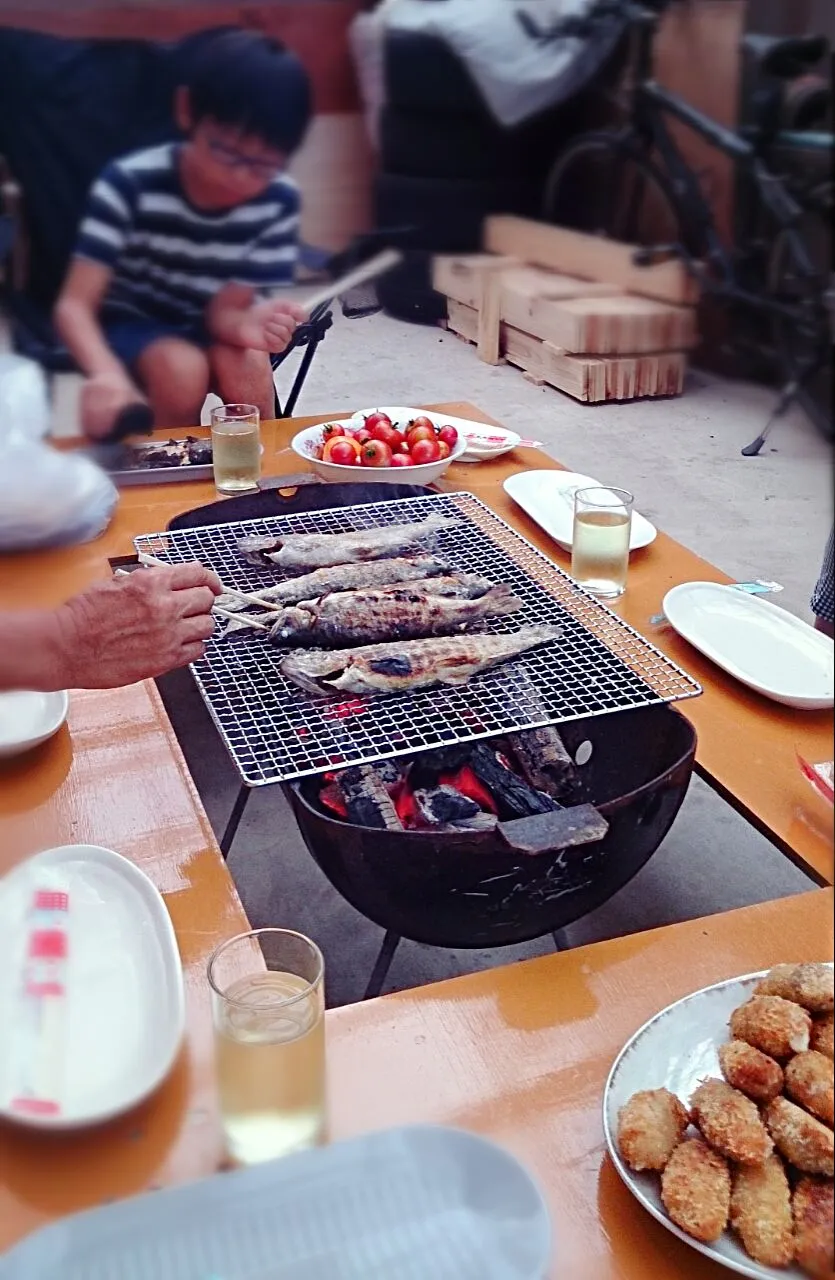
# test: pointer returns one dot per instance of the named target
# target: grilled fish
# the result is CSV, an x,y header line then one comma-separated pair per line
x,y
413,664
300,551
392,613
343,577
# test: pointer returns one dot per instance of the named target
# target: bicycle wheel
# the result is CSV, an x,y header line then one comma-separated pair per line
x,y
604,185
807,336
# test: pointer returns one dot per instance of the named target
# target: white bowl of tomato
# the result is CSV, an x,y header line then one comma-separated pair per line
x,y
396,446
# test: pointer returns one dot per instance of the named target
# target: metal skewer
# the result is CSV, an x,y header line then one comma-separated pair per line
x,y
152,562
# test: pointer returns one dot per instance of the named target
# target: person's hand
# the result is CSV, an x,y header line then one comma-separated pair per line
x,y
103,397
269,326
136,627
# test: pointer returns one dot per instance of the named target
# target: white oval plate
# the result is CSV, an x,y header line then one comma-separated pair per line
x,y
484,441
548,498
675,1050
307,442
113,1036
28,719
410,1203
765,647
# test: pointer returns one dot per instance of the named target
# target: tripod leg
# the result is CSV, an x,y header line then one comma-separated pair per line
x,y
788,394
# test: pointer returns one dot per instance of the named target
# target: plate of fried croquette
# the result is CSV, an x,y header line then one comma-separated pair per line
x,y
718,1115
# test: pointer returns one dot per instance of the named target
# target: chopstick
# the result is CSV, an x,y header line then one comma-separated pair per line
x,y
243,619
152,562
365,271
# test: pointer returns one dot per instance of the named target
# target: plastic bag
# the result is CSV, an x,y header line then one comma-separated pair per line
x,y
47,498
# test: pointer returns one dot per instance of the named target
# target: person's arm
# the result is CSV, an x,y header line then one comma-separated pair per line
x,y
236,318
76,319
115,633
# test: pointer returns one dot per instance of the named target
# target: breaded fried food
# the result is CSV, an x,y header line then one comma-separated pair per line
x,y
750,1070
696,1190
730,1123
823,1035
813,1207
778,1027
810,1081
800,1138
650,1126
761,1212
810,985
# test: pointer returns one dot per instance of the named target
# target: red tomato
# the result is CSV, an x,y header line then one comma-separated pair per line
x,y
362,435
403,448
376,453
341,449
425,451
385,431
422,421
401,460
419,433
374,419
444,448
448,434
396,440
331,430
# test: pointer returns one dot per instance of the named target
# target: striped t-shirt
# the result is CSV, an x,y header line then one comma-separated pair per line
x,y
170,258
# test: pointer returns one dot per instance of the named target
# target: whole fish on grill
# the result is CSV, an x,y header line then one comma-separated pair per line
x,y
387,613
295,552
343,577
410,664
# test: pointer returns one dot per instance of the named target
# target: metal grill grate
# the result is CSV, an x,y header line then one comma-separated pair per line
x,y
275,732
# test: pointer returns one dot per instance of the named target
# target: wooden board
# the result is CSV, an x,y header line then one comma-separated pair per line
x,y
588,256
588,378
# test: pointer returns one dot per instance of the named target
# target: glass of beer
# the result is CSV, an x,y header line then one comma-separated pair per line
x,y
268,1003
600,541
236,447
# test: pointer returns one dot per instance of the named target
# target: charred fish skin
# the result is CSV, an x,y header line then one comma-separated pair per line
x,y
257,549
297,552
344,577
393,613
411,664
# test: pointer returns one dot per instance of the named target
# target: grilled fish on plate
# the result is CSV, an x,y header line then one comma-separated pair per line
x,y
392,613
343,577
410,664
299,551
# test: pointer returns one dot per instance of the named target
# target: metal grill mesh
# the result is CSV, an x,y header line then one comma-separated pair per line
x,y
275,732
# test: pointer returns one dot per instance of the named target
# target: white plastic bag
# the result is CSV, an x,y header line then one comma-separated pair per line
x,y
47,498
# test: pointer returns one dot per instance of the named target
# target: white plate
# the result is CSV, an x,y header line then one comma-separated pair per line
x,y
757,642
307,442
675,1050
28,719
483,441
548,498
113,1037
417,1203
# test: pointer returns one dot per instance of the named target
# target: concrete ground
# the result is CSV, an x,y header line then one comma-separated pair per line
x,y
764,517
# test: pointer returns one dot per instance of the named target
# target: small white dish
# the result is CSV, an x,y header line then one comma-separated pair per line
x,y
758,643
548,498
676,1050
112,1036
306,443
483,441
28,719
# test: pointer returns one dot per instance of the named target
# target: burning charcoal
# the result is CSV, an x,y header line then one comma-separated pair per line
x,y
465,781
199,452
443,804
330,797
430,764
391,772
515,799
545,762
478,822
366,797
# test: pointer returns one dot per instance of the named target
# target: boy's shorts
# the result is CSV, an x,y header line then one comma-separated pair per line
x,y
129,336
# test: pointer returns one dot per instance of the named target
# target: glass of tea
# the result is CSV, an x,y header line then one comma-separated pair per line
x,y
268,1003
600,541
236,447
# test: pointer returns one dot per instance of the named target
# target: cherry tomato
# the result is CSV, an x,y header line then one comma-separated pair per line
x,y
376,453
422,421
425,451
396,441
448,434
343,450
362,435
375,418
401,460
444,448
331,430
419,433
385,431
403,448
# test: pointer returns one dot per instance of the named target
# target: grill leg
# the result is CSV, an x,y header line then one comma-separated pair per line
x,y
234,821
561,942
382,965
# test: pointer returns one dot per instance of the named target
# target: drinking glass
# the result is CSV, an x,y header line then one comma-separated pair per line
x,y
600,541
236,447
268,1004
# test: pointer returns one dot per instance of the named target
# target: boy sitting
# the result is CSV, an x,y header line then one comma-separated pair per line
x,y
168,293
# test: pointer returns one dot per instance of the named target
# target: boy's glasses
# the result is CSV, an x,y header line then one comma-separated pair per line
x,y
231,158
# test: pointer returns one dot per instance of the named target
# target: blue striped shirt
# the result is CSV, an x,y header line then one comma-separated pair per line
x,y
170,258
